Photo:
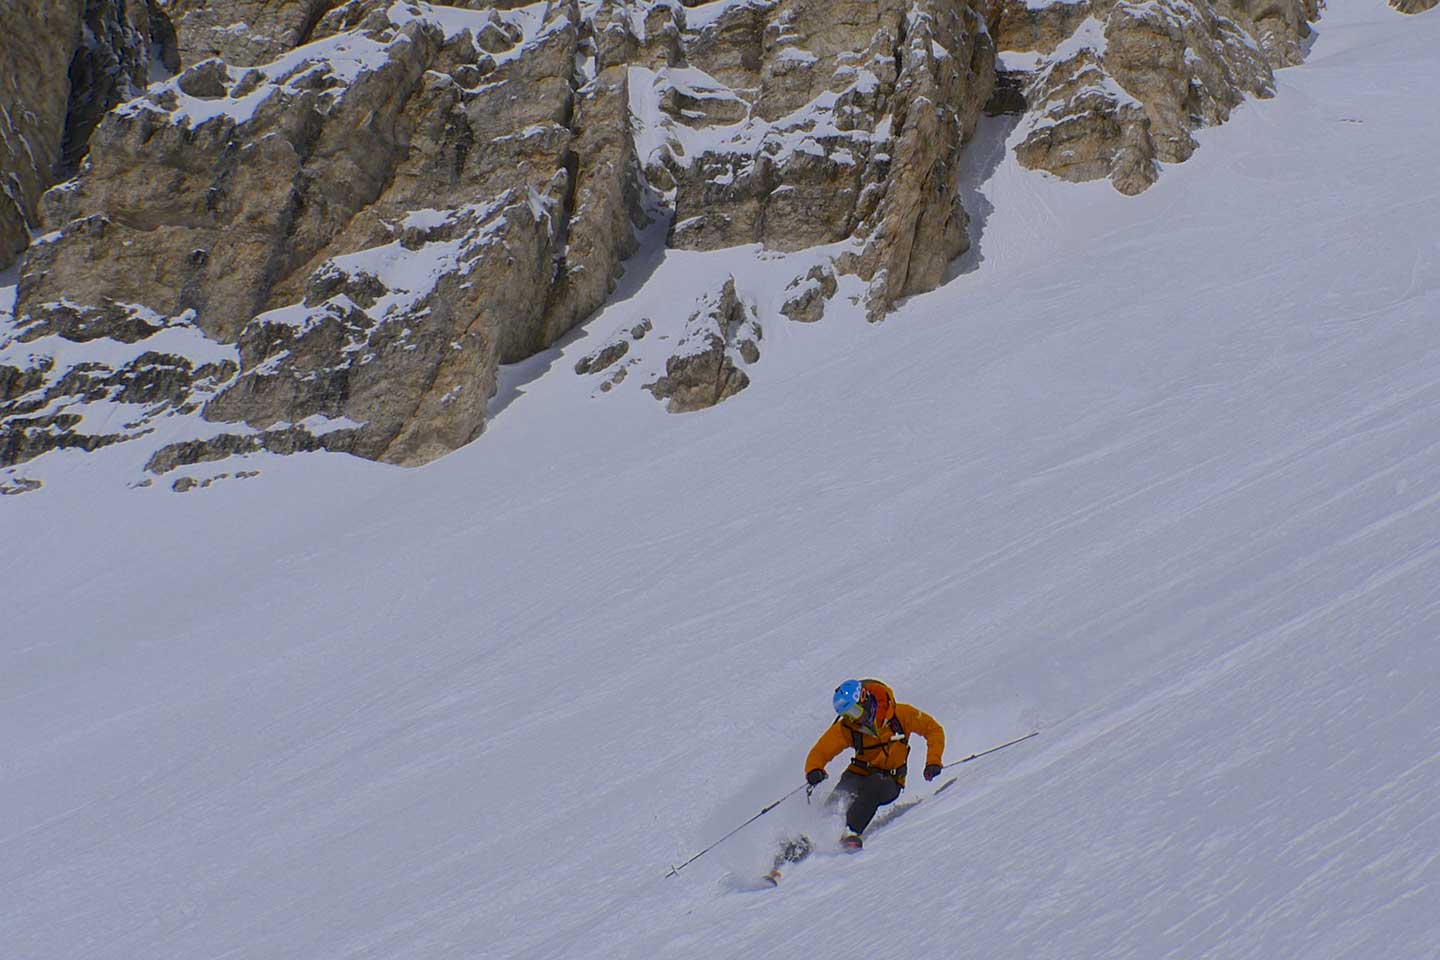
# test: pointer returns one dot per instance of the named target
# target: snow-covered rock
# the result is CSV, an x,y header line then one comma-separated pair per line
x,y
1123,91
721,340
377,218
812,292
371,206
853,116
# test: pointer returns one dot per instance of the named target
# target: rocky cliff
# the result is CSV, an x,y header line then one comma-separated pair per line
x,y
66,63
372,221
328,224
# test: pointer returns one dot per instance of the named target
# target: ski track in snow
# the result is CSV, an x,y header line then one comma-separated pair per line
x,y
1161,478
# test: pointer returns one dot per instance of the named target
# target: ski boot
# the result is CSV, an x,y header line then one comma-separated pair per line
x,y
793,851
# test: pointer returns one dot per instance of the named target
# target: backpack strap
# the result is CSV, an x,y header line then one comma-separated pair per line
x,y
857,739
898,727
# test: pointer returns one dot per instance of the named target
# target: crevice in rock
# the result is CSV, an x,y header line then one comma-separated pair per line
x,y
1008,97
100,77
898,55
313,15
571,166
164,41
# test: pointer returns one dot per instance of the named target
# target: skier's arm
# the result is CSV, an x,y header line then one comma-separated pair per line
x,y
918,721
831,742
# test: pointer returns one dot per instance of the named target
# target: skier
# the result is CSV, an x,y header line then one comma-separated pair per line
x,y
878,728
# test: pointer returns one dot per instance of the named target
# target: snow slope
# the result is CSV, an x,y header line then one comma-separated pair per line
x,y
1160,477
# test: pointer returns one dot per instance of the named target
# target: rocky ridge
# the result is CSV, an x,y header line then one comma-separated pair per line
x,y
332,226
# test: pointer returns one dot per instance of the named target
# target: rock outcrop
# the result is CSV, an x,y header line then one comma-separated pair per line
x,y
609,355
811,293
1413,7
721,340
800,123
96,378
1131,81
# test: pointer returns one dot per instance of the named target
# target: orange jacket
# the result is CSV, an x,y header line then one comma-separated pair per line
x,y
884,747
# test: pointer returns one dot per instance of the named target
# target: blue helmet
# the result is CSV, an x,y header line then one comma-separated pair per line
x,y
848,697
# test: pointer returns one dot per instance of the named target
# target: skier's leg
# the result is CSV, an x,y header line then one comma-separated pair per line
x,y
843,796
871,793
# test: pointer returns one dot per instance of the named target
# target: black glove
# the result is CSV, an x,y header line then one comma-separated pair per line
x,y
815,776
932,770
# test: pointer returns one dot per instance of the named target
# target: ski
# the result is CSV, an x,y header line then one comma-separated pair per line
x,y
894,812
796,849
793,850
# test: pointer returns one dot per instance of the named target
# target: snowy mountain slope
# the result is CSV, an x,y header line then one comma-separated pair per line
x,y
1170,497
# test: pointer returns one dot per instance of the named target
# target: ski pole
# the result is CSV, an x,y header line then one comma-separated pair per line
x,y
982,753
763,811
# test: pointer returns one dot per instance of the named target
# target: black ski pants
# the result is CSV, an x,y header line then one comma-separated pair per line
x,y
864,794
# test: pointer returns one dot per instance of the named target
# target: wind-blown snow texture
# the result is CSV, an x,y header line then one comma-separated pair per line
x,y
1162,476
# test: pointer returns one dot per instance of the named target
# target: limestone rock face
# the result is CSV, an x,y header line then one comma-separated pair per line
x,y
244,32
327,223
604,207
375,220
827,122
919,226
1024,25
1127,86
112,64
66,63
37,35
